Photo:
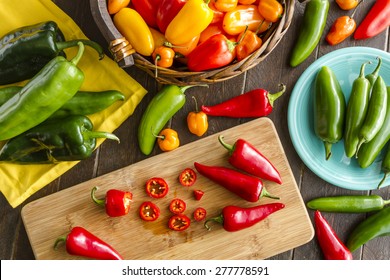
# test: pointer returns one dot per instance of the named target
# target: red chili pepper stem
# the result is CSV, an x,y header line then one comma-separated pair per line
x,y
273,96
100,202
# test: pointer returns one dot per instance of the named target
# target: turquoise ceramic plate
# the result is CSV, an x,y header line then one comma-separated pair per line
x,y
339,170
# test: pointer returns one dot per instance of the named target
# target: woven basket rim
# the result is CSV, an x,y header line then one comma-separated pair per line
x,y
181,75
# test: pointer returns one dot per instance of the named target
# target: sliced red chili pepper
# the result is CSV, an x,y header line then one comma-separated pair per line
x,y
157,187
177,206
148,211
200,214
187,177
198,194
179,222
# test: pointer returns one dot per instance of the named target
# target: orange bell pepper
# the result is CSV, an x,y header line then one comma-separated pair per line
x,y
236,21
163,56
248,42
347,4
191,20
271,10
168,140
113,6
132,26
197,121
225,5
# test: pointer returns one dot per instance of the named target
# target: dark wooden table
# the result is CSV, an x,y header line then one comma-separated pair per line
x,y
14,243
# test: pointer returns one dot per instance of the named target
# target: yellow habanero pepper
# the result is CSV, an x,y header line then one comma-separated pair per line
x,y
197,121
131,25
191,20
347,4
168,140
271,10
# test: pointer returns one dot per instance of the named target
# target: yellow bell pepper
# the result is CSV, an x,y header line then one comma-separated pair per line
x,y
191,20
134,28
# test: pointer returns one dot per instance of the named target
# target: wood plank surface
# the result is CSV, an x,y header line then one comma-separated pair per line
x,y
47,218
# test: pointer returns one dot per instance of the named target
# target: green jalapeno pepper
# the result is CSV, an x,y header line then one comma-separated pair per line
x,y
348,204
26,50
356,112
66,139
313,25
162,107
376,113
51,88
368,152
82,103
374,226
329,109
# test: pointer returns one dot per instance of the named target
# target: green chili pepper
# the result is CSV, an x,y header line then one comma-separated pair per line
x,y
385,167
51,88
356,112
348,204
374,226
26,50
376,113
82,103
66,139
368,152
313,25
162,107
374,75
329,109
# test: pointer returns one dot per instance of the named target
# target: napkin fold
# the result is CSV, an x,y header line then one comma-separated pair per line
x,y
18,182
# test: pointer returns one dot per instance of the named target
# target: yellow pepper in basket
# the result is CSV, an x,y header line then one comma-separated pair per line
x,y
191,20
131,25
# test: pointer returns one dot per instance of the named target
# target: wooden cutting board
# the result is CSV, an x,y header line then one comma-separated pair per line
x,y
52,216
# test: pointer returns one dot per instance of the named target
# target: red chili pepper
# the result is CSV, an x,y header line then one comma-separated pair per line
x,y
200,214
148,10
177,206
81,242
116,202
234,218
217,51
166,11
157,187
179,222
243,155
252,104
377,20
331,245
198,194
246,186
187,177
148,211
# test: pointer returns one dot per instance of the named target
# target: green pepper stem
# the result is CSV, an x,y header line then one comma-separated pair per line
x,y
184,88
60,239
265,193
79,54
226,145
273,96
362,69
73,43
100,134
100,202
372,77
218,219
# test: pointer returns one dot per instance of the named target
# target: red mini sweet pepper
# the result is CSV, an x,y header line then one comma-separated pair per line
x,y
166,12
148,10
376,20
246,186
234,218
81,242
252,104
116,202
331,245
244,156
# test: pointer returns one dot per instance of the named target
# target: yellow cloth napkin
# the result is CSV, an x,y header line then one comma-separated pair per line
x,y
18,182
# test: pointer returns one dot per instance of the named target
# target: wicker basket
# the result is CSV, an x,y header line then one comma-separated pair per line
x,y
119,47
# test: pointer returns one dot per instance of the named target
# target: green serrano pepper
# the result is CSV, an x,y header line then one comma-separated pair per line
x,y
348,204
356,112
329,109
162,107
54,85
374,226
368,152
376,113
313,25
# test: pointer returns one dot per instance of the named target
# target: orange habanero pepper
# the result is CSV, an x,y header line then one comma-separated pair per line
x,y
347,4
246,2
225,5
168,140
271,10
197,121
248,42
163,56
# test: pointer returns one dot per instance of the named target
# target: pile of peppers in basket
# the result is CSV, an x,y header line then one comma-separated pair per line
x,y
200,34
60,129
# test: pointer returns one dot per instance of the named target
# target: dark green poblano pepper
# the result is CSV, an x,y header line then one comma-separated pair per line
x,y
68,139
26,50
329,109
